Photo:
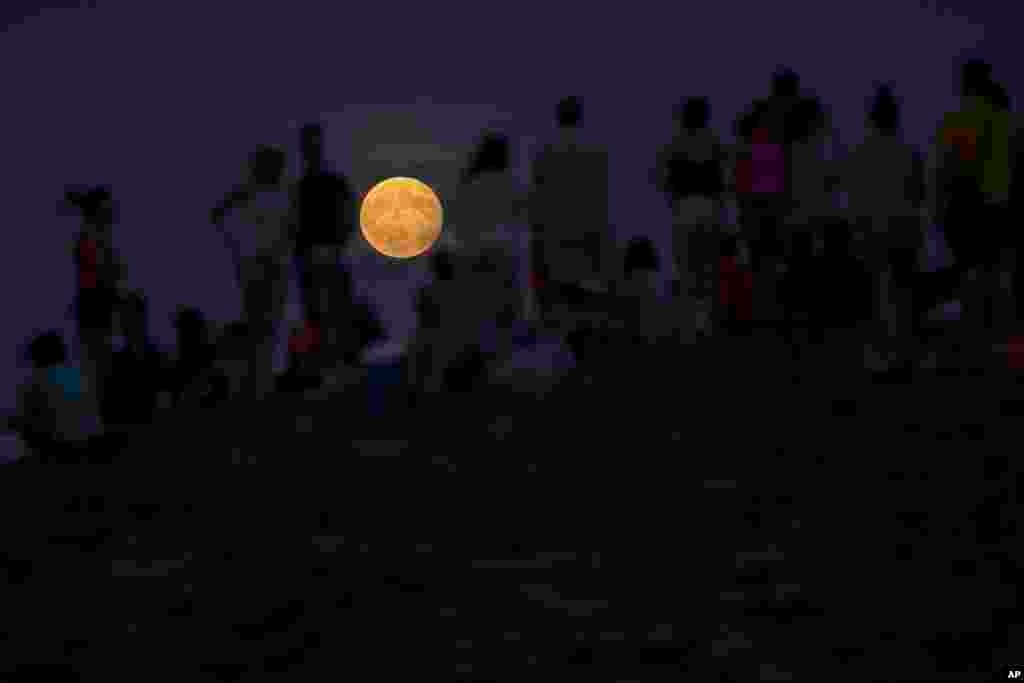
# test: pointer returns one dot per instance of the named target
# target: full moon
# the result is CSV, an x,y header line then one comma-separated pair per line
x,y
401,217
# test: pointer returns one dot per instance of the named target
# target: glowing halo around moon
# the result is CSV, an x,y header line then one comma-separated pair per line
x,y
401,217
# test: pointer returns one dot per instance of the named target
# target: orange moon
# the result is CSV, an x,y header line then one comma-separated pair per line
x,y
401,217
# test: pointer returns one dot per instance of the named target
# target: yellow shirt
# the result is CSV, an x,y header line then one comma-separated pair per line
x,y
982,136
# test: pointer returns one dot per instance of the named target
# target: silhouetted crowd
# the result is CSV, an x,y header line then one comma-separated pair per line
x,y
794,261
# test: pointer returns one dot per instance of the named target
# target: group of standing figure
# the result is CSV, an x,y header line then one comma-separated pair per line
x,y
783,174
516,255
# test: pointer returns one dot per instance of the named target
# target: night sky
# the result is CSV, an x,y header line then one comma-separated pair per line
x,y
163,100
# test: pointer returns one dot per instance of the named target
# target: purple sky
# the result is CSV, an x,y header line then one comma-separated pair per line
x,y
164,101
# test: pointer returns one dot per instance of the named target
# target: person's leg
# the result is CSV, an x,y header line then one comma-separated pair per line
x,y
682,237
799,289
999,315
704,265
304,266
766,273
965,243
95,353
876,253
259,297
1016,239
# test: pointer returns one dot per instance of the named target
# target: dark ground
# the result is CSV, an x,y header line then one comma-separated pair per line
x,y
892,511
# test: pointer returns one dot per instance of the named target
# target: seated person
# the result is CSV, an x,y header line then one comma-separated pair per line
x,y
229,369
193,375
139,370
441,330
348,324
640,269
641,311
55,416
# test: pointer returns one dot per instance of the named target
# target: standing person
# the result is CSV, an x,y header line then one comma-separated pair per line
x,y
968,181
262,224
1016,210
489,224
326,209
884,179
479,288
690,173
571,241
811,173
100,272
765,131
998,182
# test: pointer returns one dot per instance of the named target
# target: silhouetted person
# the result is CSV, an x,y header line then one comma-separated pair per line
x,y
139,371
969,181
56,413
327,214
262,224
489,224
998,186
691,175
884,180
195,356
765,132
437,315
348,323
645,310
99,272
811,174
572,238
641,266
1016,206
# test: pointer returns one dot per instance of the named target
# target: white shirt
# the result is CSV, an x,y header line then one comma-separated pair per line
x,y
876,178
572,196
261,226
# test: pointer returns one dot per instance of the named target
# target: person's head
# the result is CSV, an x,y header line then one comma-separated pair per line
x,y
785,83
47,350
975,78
641,257
266,165
311,143
694,113
191,326
884,115
569,112
96,205
492,155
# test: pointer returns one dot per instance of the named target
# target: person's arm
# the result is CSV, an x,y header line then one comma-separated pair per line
x,y
292,221
916,190
934,163
232,200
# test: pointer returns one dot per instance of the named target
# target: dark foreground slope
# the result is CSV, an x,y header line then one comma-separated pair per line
x,y
706,522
